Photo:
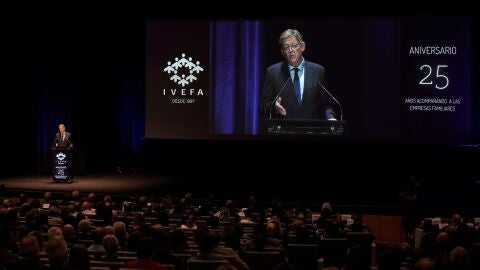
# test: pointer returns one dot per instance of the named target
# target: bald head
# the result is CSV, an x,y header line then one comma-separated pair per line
x,y
423,264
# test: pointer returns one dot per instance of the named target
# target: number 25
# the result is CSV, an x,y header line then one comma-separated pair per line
x,y
429,72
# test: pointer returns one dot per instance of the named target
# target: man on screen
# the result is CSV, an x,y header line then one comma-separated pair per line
x,y
292,88
63,138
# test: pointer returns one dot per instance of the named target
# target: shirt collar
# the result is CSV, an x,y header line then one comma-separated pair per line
x,y
300,67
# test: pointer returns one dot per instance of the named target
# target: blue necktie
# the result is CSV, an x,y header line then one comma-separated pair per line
x,y
296,85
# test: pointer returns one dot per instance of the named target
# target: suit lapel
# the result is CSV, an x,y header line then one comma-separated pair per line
x,y
285,71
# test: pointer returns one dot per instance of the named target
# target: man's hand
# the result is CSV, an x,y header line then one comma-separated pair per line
x,y
279,108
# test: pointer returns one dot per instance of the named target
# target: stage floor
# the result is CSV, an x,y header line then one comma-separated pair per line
x,y
99,183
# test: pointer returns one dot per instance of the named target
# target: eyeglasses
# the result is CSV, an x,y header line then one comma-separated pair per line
x,y
288,47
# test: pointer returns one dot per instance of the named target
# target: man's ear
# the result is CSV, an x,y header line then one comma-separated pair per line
x,y
302,46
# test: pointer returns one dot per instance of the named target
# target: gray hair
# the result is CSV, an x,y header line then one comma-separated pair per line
x,y
288,33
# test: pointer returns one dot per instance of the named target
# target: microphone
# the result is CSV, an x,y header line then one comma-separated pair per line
x,y
278,95
336,100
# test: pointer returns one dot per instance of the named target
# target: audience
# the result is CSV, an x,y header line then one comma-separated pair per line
x,y
78,230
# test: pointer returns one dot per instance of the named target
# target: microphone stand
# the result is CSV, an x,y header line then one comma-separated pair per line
x,y
278,95
336,100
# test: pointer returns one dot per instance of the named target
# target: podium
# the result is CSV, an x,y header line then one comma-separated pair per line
x,y
306,126
61,165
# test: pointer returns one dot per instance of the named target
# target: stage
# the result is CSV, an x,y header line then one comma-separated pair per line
x,y
112,183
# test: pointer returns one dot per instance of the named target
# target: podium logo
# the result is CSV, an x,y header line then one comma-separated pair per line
x,y
190,66
61,156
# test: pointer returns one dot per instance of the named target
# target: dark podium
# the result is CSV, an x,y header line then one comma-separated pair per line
x,y
306,126
61,164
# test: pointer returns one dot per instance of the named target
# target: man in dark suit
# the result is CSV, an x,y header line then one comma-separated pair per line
x,y
297,84
63,138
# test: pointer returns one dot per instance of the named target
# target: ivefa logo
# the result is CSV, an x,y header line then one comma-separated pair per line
x,y
61,156
183,62
175,70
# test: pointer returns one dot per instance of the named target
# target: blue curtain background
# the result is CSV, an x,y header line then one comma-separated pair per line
x,y
92,79
54,91
236,55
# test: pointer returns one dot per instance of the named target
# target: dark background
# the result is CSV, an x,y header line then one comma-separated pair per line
x,y
86,67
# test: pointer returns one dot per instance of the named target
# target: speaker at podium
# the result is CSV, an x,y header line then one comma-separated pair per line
x,y
62,154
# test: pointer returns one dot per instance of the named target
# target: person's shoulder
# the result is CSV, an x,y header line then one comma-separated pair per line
x,y
276,66
314,65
